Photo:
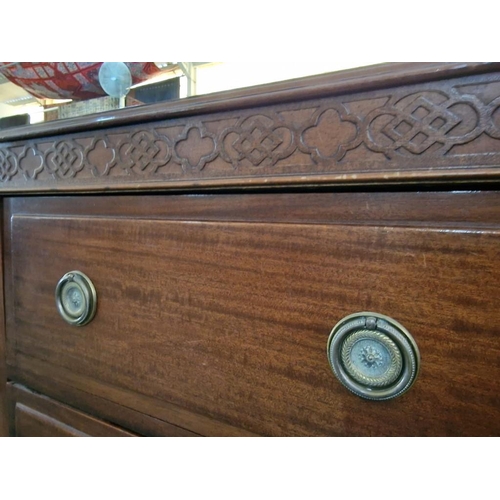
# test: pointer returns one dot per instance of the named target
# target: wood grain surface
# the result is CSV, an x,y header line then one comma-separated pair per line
x,y
459,207
374,189
230,319
35,415
148,416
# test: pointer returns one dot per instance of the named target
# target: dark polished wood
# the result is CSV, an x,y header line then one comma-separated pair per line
x,y
388,124
227,234
221,317
146,415
34,415
415,208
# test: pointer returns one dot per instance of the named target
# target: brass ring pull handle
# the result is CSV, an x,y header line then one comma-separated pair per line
x,y
373,355
76,298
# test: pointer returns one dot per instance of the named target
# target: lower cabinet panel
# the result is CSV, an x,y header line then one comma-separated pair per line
x,y
34,415
228,321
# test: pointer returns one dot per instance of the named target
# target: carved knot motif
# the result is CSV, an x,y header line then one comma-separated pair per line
x,y
144,152
8,165
333,135
492,121
258,141
64,159
418,122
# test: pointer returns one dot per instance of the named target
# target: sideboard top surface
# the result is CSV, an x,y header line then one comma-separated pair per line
x,y
393,123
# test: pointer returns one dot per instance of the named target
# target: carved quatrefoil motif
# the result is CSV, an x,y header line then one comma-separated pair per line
x,y
31,162
101,156
195,147
330,134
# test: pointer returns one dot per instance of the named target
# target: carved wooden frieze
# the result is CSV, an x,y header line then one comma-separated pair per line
x,y
421,130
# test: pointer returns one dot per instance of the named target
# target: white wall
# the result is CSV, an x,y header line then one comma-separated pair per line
x,y
231,75
215,77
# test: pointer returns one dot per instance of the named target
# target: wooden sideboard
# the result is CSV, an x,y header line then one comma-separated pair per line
x,y
227,235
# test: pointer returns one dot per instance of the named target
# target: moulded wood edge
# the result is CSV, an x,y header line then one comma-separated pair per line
x,y
353,80
59,383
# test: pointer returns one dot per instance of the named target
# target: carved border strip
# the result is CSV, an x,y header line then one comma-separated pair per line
x,y
408,129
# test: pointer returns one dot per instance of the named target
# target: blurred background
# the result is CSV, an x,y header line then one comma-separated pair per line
x,y
40,92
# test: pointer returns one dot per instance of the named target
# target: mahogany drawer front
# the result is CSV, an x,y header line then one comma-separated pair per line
x,y
231,319
34,415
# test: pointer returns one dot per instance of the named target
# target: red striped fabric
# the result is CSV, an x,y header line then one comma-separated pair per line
x,y
68,80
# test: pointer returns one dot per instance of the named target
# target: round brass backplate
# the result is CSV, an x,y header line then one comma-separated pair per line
x,y
373,355
76,298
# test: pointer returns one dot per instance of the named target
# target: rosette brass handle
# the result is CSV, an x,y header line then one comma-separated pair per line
x,y
373,355
76,298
